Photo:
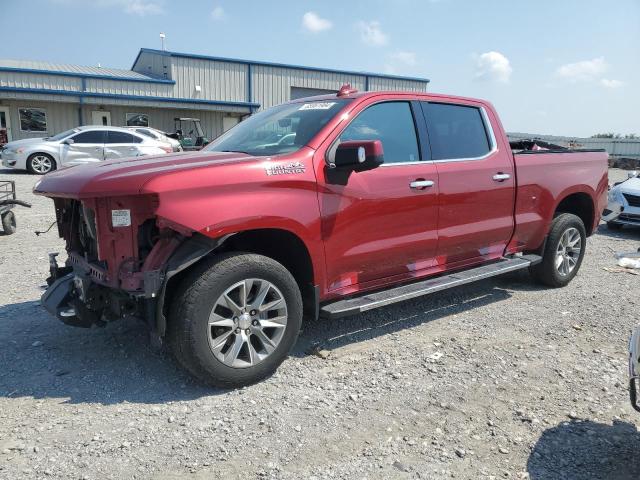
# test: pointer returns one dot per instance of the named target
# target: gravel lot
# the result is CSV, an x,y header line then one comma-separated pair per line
x,y
502,379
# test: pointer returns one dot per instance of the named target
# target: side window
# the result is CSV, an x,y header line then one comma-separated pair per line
x,y
455,131
391,123
114,136
91,136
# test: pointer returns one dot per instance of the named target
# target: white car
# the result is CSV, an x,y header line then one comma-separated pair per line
x,y
78,146
158,135
624,203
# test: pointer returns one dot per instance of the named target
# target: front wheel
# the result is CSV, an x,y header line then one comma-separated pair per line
x,y
40,163
563,252
235,318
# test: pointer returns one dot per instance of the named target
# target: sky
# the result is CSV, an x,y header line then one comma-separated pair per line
x,y
563,67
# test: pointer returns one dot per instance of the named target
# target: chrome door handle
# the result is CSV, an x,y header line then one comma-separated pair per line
x,y
501,177
416,184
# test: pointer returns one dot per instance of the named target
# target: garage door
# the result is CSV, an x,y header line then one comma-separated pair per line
x,y
299,92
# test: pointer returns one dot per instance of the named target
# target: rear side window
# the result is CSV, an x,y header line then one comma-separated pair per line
x,y
391,123
114,136
147,133
92,136
455,131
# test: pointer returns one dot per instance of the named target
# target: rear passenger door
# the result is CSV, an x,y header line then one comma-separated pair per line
x,y
476,180
121,145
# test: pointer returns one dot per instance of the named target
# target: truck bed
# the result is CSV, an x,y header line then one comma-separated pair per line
x,y
542,180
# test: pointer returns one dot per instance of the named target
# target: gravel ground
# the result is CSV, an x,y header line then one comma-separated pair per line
x,y
502,379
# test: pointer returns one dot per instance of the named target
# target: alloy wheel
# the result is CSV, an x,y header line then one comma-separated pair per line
x,y
247,323
41,164
568,251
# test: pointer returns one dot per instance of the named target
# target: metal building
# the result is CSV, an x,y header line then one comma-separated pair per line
x,y
40,99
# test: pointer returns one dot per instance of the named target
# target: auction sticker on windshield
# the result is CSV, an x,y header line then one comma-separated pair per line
x,y
317,106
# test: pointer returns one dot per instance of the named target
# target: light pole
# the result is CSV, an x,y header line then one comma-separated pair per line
x,y
162,37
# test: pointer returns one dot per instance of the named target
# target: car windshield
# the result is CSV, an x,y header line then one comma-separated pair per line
x,y
278,130
63,135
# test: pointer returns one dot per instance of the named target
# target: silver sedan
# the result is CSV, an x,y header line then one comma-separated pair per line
x,y
79,146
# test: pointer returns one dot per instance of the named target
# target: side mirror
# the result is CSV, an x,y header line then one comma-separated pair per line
x,y
68,141
633,174
356,155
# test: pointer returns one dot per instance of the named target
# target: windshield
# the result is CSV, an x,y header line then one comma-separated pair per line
x,y
278,130
63,135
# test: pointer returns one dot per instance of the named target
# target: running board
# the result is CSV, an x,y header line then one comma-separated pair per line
x,y
359,304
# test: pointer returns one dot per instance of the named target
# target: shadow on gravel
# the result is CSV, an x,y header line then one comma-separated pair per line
x,y
43,358
627,232
333,334
47,359
586,450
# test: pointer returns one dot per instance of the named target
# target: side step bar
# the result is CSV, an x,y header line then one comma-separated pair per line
x,y
359,304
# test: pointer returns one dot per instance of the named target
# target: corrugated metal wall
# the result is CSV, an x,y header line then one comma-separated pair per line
x,y
63,116
38,80
219,80
224,81
377,83
60,117
158,66
272,85
119,87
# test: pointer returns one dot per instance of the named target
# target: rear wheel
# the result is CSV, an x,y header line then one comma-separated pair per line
x,y
9,222
563,252
235,319
40,163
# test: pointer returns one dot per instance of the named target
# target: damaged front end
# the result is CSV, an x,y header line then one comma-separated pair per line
x,y
118,252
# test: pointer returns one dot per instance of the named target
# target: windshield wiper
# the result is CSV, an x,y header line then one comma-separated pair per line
x,y
234,151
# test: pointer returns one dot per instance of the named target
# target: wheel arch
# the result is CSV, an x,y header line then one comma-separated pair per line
x,y
281,245
580,204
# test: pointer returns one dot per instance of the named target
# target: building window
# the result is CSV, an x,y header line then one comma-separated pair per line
x,y
33,119
137,120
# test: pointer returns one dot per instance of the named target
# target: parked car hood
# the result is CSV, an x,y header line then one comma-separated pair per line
x,y
128,176
631,186
23,143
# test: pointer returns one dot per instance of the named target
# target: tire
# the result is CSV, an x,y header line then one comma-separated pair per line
x,y
614,226
196,344
9,223
40,163
552,271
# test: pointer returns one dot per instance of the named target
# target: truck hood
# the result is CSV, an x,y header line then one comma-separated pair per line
x,y
128,176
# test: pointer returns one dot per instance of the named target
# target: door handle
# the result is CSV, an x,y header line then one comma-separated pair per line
x,y
420,184
501,177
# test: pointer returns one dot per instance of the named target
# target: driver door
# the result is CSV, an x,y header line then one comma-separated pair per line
x,y
380,225
87,147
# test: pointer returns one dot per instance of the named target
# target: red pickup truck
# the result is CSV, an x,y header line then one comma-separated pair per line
x,y
321,207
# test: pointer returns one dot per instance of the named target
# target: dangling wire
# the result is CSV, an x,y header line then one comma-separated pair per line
x,y
38,233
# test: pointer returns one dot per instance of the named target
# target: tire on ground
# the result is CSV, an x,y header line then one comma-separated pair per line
x,y
546,271
31,158
196,297
9,222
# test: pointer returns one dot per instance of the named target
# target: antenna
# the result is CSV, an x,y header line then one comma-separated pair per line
x,y
162,37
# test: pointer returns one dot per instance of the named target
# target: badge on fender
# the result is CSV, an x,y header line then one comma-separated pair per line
x,y
285,169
